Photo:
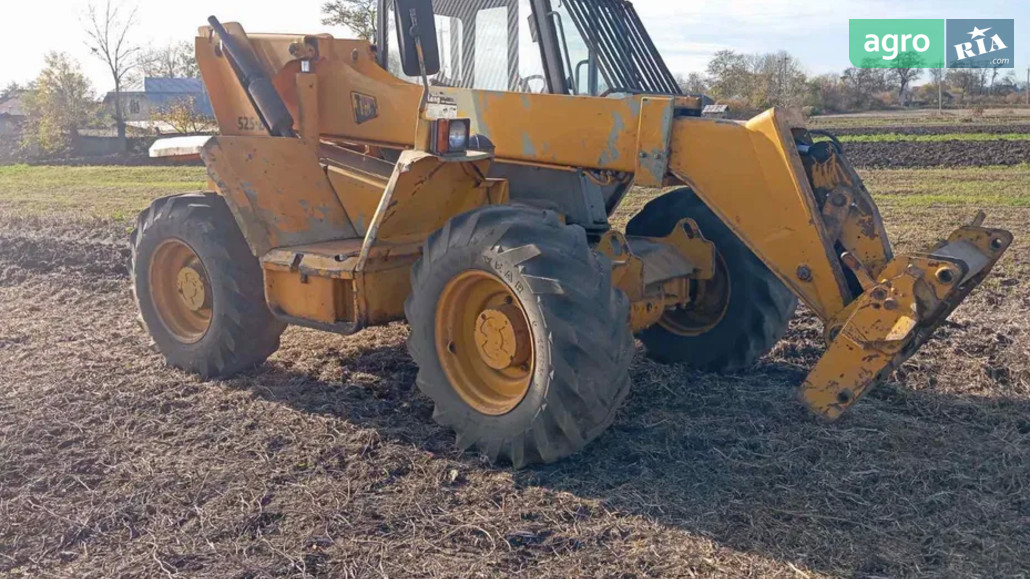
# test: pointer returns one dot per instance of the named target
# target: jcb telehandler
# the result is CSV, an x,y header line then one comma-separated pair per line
x,y
460,172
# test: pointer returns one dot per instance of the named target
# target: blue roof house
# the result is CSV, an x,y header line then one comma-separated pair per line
x,y
160,94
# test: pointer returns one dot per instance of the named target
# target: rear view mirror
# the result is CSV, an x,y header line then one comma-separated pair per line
x,y
416,25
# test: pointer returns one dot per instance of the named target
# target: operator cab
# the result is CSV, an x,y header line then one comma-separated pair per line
x,y
576,47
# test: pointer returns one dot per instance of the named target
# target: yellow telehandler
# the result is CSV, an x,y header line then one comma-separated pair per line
x,y
460,172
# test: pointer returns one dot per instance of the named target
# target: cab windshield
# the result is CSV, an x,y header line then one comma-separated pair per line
x,y
583,47
484,44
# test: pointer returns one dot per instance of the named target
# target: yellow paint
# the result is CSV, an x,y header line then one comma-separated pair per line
x,y
879,330
484,343
337,240
752,177
180,291
277,190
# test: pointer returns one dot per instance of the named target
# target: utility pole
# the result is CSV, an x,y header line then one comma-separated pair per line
x,y
940,94
1028,85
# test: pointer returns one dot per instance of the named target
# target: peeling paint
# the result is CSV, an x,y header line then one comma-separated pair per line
x,y
528,148
611,154
480,104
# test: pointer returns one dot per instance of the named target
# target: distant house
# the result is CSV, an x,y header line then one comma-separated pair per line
x,y
12,114
160,94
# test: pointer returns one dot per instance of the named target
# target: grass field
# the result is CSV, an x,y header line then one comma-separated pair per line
x,y
119,193
103,192
895,137
326,462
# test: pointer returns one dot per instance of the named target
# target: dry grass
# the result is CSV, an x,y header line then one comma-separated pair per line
x,y
117,192
325,462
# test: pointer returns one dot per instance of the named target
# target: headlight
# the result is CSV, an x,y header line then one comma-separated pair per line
x,y
458,136
449,136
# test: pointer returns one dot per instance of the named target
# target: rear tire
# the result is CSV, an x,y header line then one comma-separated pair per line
x,y
236,331
760,306
578,330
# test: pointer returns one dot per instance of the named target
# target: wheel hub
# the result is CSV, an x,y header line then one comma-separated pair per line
x,y
180,291
502,337
191,288
709,303
484,343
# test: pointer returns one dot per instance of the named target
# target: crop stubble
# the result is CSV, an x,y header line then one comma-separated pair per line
x,y
326,461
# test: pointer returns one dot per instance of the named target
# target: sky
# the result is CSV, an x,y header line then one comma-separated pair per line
x,y
687,33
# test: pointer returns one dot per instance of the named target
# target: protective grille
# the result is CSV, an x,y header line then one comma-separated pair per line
x,y
628,57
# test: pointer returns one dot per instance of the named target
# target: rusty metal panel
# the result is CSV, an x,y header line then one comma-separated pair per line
x,y
752,177
887,324
653,136
849,213
277,190
233,110
426,191
316,299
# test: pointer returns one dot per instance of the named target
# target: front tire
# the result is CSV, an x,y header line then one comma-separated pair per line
x,y
737,321
199,289
554,368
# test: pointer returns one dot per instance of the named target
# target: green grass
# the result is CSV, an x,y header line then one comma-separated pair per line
x,y
105,192
959,186
898,138
121,192
906,189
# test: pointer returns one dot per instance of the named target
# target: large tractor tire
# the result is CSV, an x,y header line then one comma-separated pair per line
x,y
522,343
199,289
737,317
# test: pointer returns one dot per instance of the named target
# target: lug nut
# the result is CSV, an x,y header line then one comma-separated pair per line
x,y
804,273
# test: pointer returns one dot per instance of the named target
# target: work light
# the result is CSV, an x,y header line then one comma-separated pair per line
x,y
449,136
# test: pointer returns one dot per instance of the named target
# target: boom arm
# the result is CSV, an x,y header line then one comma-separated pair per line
x,y
797,204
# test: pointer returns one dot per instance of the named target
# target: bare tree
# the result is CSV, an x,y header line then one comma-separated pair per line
x,y
860,87
10,90
183,117
108,30
358,15
728,75
784,78
177,60
904,72
937,80
693,83
994,77
983,75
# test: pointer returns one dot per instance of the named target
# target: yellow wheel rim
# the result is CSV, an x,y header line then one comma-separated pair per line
x,y
180,291
710,299
484,343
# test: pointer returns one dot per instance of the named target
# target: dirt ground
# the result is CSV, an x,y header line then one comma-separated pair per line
x,y
1016,127
938,154
326,462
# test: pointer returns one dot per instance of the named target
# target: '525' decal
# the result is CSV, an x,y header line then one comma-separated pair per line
x,y
249,124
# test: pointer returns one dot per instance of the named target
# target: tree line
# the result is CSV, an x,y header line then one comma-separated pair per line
x,y
61,101
754,82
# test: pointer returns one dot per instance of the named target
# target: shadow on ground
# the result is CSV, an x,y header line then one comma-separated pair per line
x,y
921,483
